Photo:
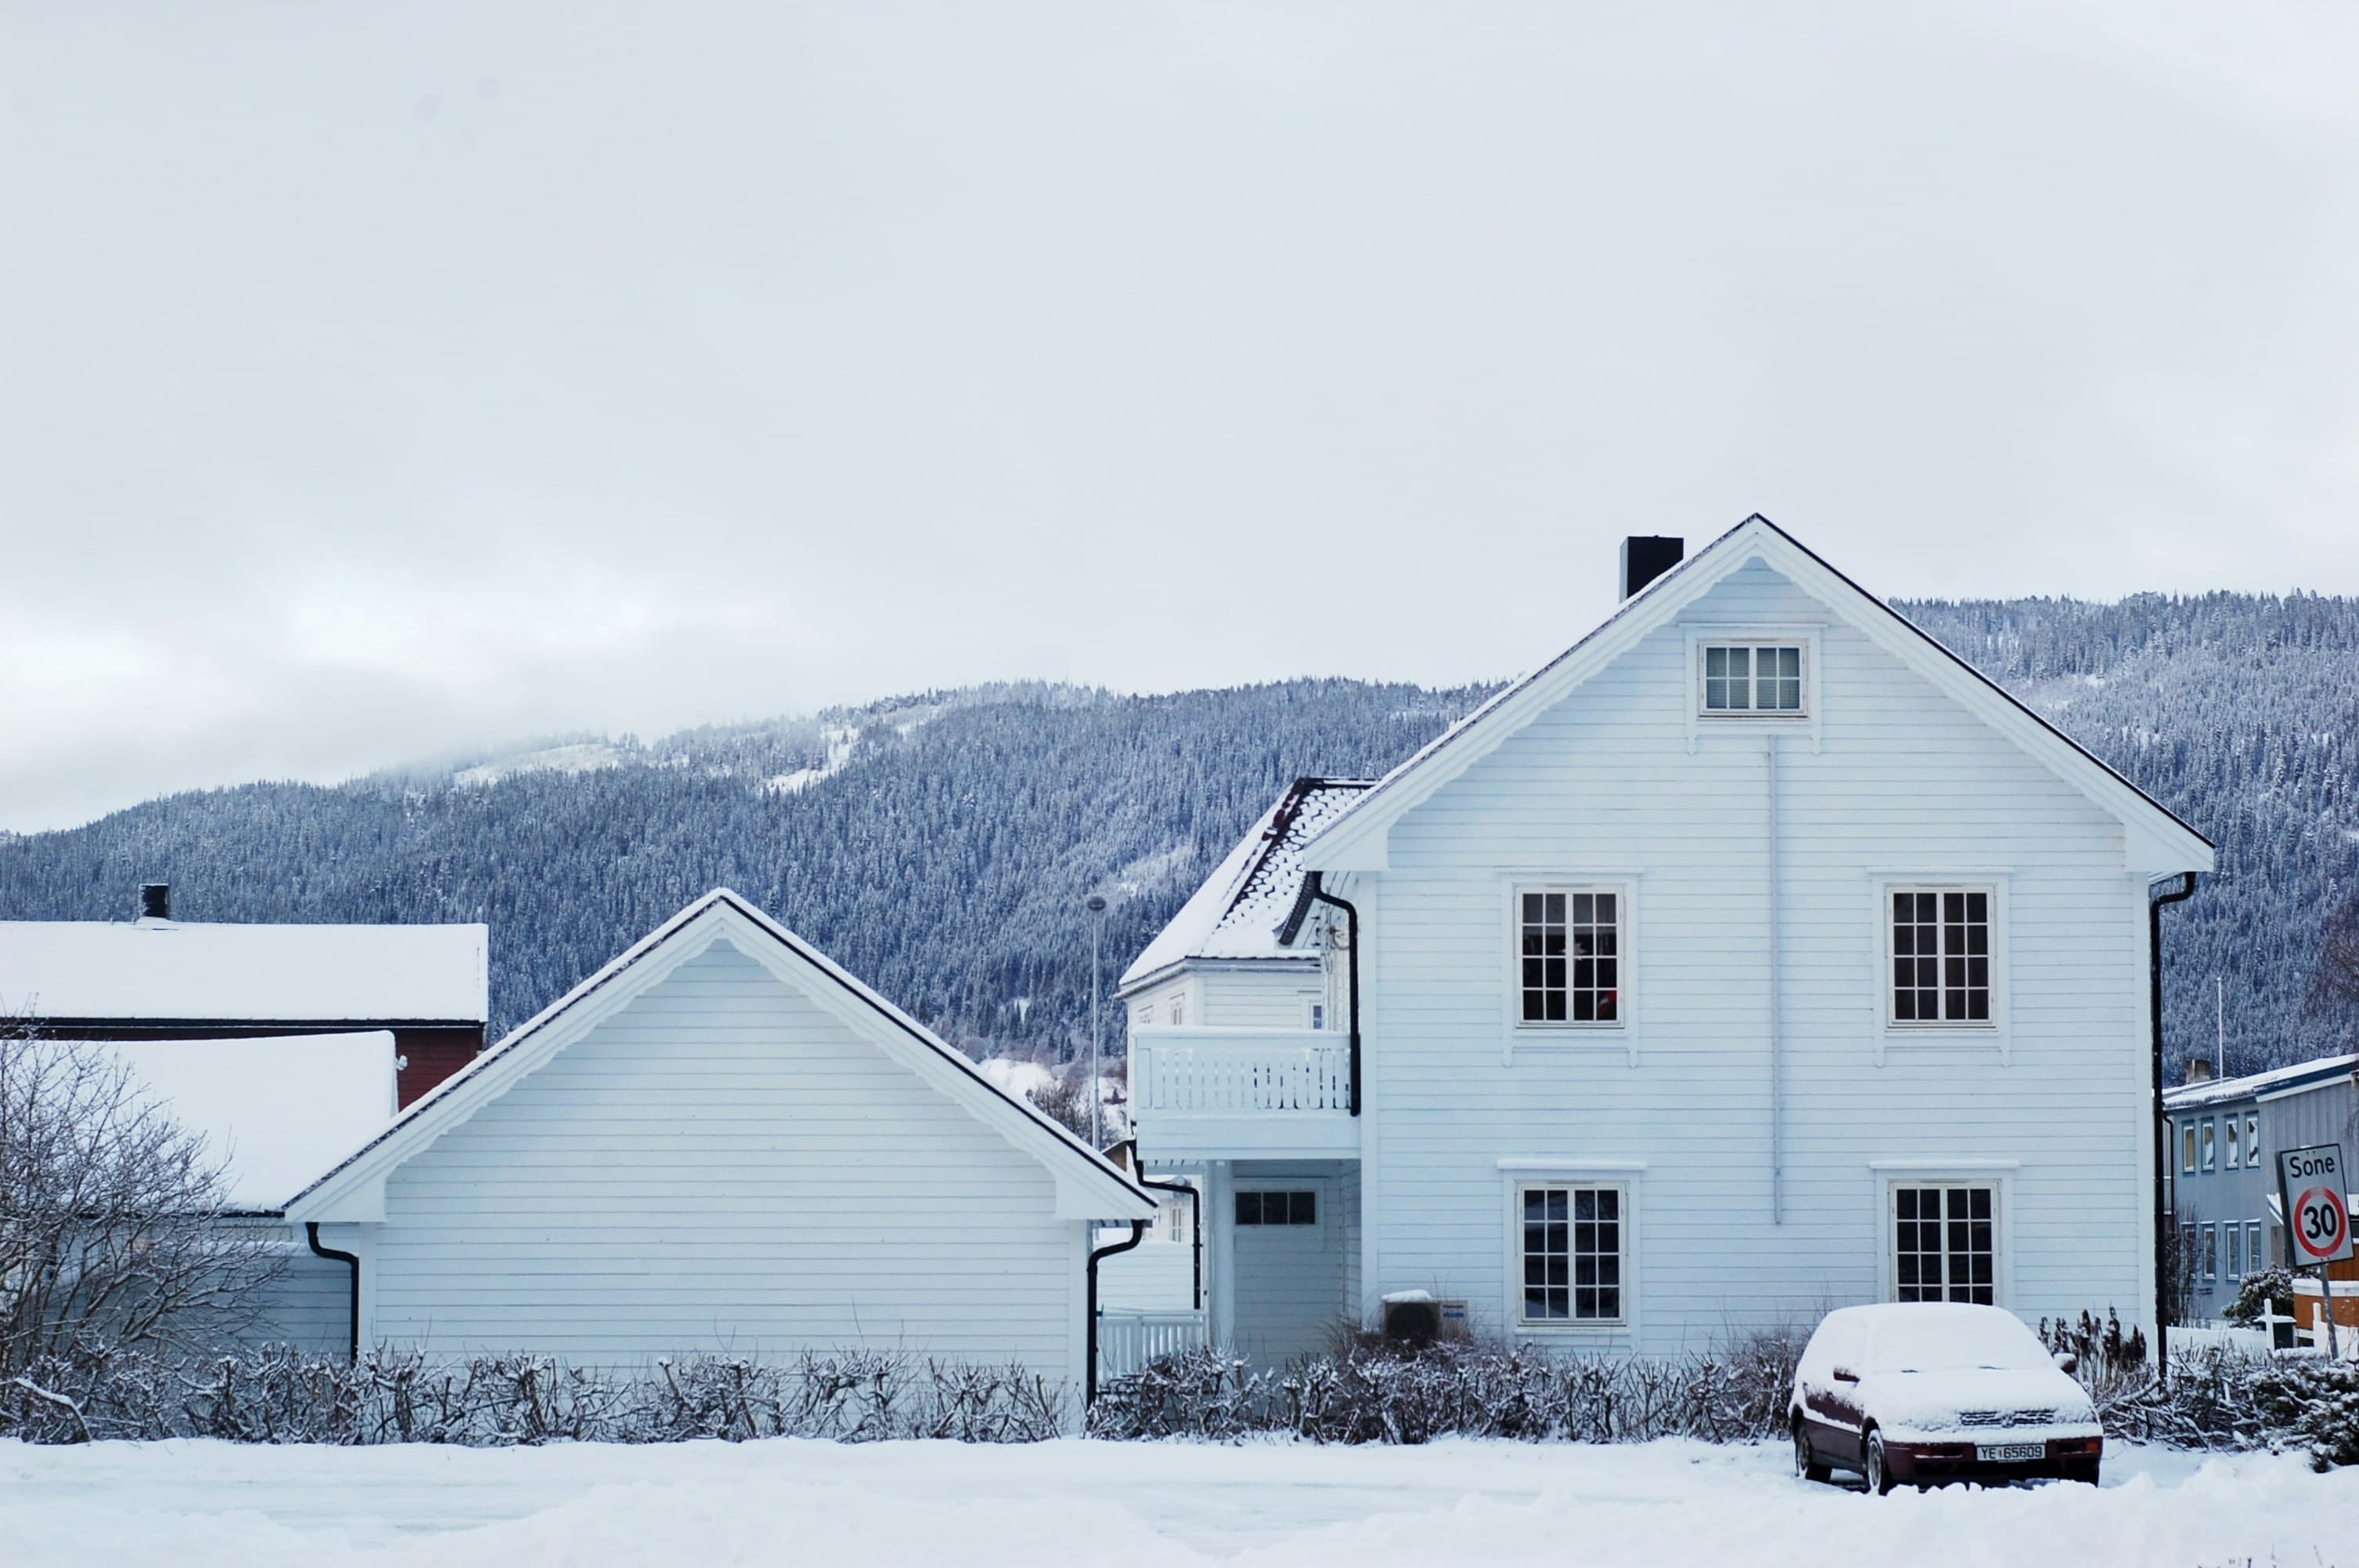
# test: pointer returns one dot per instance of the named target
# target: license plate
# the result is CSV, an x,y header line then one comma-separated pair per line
x,y
2009,1453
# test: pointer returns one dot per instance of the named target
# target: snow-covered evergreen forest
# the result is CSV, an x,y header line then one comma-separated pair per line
x,y
940,845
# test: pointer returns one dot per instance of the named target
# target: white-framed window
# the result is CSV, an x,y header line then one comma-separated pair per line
x,y
2233,1152
2187,1147
1315,1013
1573,1251
2190,1249
2211,1251
2254,1258
1942,947
2251,1141
1179,1011
1147,1015
2235,1235
1752,680
2210,1146
1945,1241
1569,955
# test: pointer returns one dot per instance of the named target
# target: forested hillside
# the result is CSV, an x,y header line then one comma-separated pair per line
x,y
940,845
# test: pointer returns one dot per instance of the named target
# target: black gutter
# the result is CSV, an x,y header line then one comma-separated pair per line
x,y
1195,1204
1090,1374
1314,891
2163,1218
352,1261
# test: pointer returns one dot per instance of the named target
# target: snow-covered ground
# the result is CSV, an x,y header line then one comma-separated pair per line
x,y
1136,1505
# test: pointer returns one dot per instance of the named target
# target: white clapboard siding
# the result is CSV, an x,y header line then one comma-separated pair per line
x,y
725,1167
1294,1282
1606,785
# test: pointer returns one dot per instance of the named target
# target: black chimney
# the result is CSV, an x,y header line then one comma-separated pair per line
x,y
155,901
1646,556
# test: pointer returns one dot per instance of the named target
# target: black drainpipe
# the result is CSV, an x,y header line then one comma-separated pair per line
x,y
2163,1218
1351,940
351,1260
1090,1375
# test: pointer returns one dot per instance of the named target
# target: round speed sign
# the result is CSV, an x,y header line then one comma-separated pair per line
x,y
2321,1224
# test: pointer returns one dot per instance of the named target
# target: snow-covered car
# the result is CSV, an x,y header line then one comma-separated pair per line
x,y
1926,1392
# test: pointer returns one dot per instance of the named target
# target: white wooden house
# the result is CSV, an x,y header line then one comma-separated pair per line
x,y
722,1142
1753,957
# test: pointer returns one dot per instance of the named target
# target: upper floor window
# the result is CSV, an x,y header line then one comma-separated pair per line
x,y
2211,1146
1569,955
1752,680
1179,1011
2252,1141
2231,1147
1942,956
2187,1147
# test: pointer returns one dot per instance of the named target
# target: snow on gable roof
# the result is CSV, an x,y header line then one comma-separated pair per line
x,y
1086,1180
159,970
1238,911
2253,1086
2159,839
276,1111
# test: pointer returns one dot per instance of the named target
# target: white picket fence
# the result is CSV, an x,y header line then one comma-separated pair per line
x,y
1129,1340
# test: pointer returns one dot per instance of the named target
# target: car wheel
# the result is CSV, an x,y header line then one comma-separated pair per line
x,y
2081,1470
1806,1464
1878,1473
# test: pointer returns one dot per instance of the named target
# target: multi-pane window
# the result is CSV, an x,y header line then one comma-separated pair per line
x,y
2252,1141
1753,680
1179,1011
1940,955
2210,1146
1945,1244
1569,952
1572,1254
1278,1208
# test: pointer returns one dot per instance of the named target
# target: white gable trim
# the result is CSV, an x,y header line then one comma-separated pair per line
x,y
1088,1186
2155,840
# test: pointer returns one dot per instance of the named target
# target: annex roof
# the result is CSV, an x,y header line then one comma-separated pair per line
x,y
1238,911
2256,1086
2158,841
175,970
275,1111
1088,1186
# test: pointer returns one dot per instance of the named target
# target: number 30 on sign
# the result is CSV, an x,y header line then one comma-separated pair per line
x,y
2311,1187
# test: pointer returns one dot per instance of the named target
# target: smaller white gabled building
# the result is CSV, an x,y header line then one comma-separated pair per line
x,y
723,1142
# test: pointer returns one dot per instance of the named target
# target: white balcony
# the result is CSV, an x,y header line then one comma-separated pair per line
x,y
1241,1094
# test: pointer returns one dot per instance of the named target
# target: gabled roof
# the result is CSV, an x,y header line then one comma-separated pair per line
x,y
1236,914
186,971
1088,1186
2254,1085
2158,841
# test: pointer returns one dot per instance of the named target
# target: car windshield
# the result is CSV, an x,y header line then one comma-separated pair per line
x,y
1947,1342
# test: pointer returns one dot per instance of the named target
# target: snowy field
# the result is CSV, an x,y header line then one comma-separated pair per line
x,y
1134,1505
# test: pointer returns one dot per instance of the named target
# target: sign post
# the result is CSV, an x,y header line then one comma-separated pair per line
x,y
2314,1196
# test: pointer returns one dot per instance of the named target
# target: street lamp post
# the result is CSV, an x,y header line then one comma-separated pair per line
x,y
1096,906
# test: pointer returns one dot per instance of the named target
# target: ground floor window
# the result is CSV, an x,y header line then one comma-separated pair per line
x,y
1278,1208
1572,1240
1945,1245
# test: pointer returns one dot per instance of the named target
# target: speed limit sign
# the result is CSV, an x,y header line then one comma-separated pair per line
x,y
2311,1187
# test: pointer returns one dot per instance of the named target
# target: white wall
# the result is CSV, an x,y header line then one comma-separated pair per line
x,y
1265,994
724,1166
1605,786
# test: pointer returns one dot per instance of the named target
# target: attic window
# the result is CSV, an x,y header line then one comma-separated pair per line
x,y
1752,680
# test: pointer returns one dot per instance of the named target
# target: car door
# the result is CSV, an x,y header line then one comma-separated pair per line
x,y
1831,1404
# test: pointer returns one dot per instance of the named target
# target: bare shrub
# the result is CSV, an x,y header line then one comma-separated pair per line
x,y
110,1243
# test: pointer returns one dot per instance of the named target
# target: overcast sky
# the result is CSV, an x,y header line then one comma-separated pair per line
x,y
382,382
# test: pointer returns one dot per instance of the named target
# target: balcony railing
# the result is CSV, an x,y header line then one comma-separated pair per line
x,y
1260,1075
1129,1340
1242,1093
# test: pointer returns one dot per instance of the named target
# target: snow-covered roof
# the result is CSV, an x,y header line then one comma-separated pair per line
x,y
2301,1075
1238,911
158,970
278,1110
